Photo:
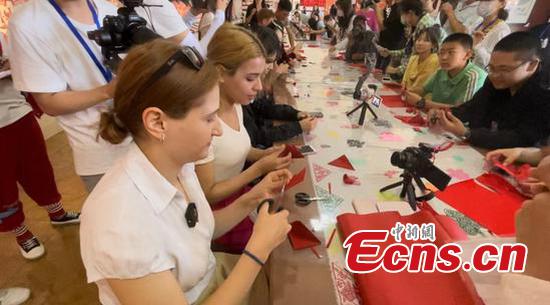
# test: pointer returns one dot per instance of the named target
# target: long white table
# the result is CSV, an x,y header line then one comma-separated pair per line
x,y
300,277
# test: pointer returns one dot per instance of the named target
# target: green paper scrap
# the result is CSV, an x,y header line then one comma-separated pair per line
x,y
465,223
358,162
458,158
329,206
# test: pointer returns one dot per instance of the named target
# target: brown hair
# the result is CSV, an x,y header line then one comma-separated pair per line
x,y
233,45
174,93
264,14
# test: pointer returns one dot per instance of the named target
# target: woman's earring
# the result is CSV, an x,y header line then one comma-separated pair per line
x,y
162,137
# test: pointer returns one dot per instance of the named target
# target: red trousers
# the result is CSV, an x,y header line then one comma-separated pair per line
x,y
23,159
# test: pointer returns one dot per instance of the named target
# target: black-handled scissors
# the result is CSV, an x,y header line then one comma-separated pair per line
x,y
303,199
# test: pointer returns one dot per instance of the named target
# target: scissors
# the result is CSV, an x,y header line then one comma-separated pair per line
x,y
303,199
274,206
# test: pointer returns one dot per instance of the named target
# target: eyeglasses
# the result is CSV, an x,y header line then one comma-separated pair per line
x,y
492,70
188,55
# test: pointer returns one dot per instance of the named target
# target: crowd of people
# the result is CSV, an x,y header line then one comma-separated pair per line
x,y
176,147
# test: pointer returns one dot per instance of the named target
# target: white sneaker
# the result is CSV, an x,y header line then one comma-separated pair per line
x,y
14,296
32,249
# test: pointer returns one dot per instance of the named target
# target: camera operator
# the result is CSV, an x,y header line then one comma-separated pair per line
x,y
53,59
163,18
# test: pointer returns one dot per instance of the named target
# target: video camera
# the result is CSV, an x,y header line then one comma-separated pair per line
x,y
418,161
119,33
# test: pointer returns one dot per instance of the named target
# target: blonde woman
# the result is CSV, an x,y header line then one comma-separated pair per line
x,y
241,60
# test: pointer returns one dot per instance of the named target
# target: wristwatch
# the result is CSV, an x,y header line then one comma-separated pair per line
x,y
421,104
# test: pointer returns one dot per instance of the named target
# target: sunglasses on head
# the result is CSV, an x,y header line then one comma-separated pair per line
x,y
187,55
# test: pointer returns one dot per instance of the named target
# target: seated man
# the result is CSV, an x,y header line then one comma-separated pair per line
x,y
458,79
512,109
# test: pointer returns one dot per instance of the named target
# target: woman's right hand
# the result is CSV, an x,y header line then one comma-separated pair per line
x,y
269,187
308,124
270,230
507,156
273,162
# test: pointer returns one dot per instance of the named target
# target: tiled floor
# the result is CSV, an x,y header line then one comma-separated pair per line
x,y
58,277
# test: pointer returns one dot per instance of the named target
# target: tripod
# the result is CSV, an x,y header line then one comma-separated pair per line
x,y
409,191
358,95
363,106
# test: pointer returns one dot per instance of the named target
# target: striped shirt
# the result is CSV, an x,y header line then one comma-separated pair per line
x,y
456,90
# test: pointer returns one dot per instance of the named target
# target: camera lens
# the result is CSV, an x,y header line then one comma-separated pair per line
x,y
397,159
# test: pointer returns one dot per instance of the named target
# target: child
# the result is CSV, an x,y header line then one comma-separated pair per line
x,y
458,79
512,109
425,63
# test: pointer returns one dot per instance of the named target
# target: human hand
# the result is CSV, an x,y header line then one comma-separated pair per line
x,y
308,124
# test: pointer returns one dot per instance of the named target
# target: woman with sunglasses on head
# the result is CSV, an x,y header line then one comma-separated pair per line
x,y
147,227
241,60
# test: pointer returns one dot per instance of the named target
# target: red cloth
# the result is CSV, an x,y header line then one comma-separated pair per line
x,y
494,210
393,101
404,288
236,239
23,159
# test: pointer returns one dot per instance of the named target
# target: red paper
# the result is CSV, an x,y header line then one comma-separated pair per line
x,y
296,179
493,210
408,288
342,162
393,101
519,172
416,120
351,180
301,238
289,148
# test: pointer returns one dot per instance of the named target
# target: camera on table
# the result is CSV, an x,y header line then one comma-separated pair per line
x,y
119,33
418,161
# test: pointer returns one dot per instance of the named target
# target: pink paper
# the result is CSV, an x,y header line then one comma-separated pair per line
x,y
320,172
458,174
389,137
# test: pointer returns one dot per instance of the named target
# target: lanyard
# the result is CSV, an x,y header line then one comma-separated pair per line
x,y
487,28
104,71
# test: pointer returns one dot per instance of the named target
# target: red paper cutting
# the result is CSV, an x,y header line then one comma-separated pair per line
x,y
289,148
414,288
494,210
301,237
296,179
351,180
416,121
519,172
393,101
342,162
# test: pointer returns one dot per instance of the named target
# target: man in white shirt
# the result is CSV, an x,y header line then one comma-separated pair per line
x,y
56,62
53,59
462,19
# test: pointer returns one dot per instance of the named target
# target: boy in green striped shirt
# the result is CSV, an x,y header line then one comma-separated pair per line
x,y
458,79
